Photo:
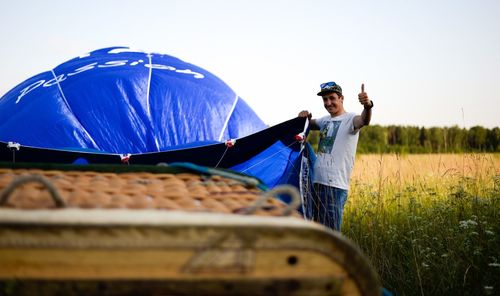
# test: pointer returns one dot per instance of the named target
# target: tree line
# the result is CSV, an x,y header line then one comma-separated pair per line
x,y
414,139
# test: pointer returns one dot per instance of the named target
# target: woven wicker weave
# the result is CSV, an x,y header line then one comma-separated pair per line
x,y
136,190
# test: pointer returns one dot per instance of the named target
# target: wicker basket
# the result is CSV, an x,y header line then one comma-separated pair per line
x,y
88,232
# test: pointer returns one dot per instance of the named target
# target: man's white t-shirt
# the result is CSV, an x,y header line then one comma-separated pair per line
x,y
336,150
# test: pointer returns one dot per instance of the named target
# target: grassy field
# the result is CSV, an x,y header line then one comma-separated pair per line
x,y
429,223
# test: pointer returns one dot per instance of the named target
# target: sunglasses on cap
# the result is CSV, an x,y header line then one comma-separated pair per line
x,y
330,87
327,85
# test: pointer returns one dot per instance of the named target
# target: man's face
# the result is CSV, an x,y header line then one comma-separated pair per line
x,y
333,103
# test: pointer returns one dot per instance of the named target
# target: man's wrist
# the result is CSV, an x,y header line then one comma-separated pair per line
x,y
370,106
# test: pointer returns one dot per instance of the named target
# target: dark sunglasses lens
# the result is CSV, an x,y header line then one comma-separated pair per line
x,y
329,84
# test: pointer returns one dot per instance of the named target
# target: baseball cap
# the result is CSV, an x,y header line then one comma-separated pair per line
x,y
329,87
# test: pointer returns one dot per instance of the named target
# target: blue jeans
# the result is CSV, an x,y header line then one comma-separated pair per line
x,y
328,205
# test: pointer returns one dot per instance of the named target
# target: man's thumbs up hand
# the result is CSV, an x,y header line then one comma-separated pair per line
x,y
363,97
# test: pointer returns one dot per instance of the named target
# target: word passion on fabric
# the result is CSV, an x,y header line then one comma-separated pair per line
x,y
96,65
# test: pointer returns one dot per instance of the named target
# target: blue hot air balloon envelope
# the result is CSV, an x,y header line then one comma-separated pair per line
x,y
117,101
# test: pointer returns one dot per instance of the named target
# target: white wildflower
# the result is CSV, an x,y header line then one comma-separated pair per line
x,y
494,264
467,223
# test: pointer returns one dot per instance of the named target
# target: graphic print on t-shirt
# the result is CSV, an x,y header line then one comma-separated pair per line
x,y
327,136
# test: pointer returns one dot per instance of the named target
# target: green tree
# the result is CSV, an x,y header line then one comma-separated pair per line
x,y
455,138
425,141
436,139
372,139
414,139
413,134
477,138
313,139
492,139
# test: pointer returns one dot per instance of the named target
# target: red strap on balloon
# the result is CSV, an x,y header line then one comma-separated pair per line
x,y
300,137
230,143
125,158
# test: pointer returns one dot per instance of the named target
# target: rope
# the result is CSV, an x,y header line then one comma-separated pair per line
x,y
236,99
283,189
58,200
14,147
223,154
307,188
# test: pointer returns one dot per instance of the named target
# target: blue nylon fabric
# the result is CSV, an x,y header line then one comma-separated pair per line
x,y
41,119
270,165
120,101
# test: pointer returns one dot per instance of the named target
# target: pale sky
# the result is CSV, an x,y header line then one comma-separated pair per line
x,y
423,62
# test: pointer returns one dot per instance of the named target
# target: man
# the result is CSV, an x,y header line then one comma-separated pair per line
x,y
339,133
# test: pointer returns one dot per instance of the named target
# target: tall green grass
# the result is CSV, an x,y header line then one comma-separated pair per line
x,y
431,226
